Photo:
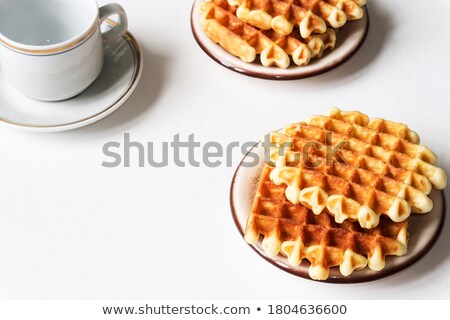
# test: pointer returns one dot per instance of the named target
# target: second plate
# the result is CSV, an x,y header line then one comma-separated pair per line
x,y
350,38
423,230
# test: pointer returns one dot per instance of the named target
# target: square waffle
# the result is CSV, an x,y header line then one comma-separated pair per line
x,y
223,23
379,168
309,16
296,232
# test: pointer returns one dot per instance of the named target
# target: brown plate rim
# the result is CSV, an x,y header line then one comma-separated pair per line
x,y
345,280
303,75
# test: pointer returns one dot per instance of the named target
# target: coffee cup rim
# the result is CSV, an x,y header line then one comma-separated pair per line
x,y
53,48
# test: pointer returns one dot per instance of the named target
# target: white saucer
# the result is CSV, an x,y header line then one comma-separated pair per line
x,y
349,40
424,230
119,78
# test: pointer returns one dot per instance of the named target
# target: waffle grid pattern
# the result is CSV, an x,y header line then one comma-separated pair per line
x,y
296,232
247,29
378,173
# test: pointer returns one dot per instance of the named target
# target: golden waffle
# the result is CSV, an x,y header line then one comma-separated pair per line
x,y
303,50
348,193
379,125
311,16
380,170
240,39
296,232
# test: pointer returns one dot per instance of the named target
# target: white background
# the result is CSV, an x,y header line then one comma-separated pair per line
x,y
71,229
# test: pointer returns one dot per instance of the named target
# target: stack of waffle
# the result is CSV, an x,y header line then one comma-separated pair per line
x,y
338,191
277,30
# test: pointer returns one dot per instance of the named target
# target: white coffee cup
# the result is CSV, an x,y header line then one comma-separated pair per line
x,y
53,49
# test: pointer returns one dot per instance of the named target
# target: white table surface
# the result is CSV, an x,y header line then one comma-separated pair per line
x,y
71,229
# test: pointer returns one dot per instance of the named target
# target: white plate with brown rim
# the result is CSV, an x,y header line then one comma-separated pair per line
x,y
349,40
424,230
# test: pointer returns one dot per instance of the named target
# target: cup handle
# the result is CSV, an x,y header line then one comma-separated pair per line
x,y
120,28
